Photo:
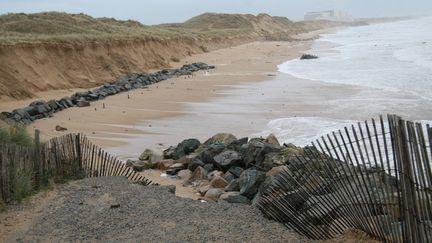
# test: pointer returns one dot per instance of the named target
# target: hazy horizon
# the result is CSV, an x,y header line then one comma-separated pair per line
x,y
169,11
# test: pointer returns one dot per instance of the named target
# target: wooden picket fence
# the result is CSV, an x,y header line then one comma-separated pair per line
x,y
372,176
63,158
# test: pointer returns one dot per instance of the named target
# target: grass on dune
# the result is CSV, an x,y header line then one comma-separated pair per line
x,y
65,27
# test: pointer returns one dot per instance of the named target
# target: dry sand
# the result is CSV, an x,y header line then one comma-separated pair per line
x,y
246,63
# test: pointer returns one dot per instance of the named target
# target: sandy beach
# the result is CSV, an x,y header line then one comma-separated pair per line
x,y
251,62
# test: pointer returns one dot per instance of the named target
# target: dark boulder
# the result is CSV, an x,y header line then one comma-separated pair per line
x,y
207,155
186,147
236,171
169,153
224,138
249,182
233,186
83,103
308,57
229,177
227,159
255,151
195,164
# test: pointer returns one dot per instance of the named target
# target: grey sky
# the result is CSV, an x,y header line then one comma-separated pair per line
x,y
163,11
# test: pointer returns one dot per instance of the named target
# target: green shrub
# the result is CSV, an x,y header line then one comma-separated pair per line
x,y
16,135
23,185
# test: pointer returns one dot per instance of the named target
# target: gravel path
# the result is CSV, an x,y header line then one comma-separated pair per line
x,y
111,209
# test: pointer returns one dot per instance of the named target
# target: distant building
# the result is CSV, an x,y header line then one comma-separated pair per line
x,y
331,15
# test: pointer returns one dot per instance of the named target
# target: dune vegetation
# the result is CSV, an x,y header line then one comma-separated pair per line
x,y
60,27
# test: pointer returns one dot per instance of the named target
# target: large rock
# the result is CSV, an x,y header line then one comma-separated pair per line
x,y
213,194
224,138
236,171
281,157
218,182
151,156
234,197
227,159
255,151
272,139
169,153
249,182
186,147
207,154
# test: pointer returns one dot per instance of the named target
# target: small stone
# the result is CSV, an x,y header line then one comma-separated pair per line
x,y
234,197
213,194
218,182
203,189
59,128
186,160
165,164
214,173
116,205
83,103
198,174
175,168
184,174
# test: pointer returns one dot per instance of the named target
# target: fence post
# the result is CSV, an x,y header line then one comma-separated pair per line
x,y
37,160
79,155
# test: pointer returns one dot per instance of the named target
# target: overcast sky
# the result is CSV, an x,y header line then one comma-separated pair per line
x,y
165,11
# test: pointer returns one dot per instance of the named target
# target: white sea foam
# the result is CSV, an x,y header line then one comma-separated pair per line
x,y
392,56
395,57
302,130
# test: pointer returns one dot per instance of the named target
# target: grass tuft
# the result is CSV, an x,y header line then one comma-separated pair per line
x,y
23,185
15,135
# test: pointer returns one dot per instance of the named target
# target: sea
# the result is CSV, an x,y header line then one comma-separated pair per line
x,y
392,57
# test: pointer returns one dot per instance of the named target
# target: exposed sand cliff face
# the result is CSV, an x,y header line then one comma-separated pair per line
x,y
29,68
53,51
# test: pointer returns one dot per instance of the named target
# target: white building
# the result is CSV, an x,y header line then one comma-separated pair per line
x,y
331,15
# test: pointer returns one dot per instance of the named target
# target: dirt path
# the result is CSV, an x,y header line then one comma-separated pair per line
x,y
19,218
113,210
